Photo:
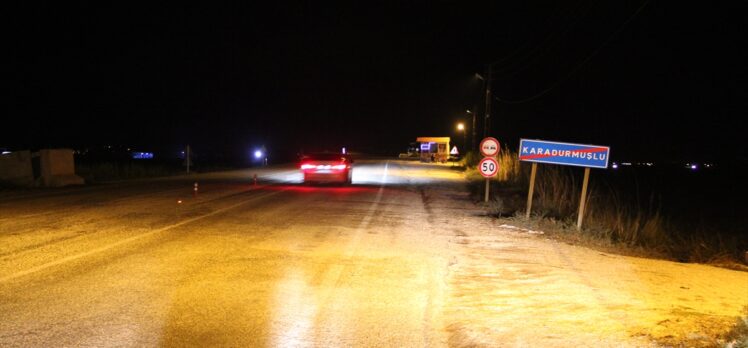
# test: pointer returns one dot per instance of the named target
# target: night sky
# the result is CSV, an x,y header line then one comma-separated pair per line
x,y
654,80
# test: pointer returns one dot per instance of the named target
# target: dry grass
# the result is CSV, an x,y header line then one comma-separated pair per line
x,y
738,336
103,171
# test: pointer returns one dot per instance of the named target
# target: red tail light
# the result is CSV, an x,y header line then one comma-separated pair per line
x,y
310,166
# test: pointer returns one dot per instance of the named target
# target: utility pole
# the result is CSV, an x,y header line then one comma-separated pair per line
x,y
473,138
487,123
188,158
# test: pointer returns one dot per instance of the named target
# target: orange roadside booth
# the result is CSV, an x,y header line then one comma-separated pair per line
x,y
434,149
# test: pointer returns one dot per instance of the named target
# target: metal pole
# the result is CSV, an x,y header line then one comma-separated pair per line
x,y
486,199
486,123
584,198
532,188
187,158
473,147
464,140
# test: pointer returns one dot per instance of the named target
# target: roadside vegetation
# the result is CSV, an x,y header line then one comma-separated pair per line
x,y
100,171
628,220
123,170
738,336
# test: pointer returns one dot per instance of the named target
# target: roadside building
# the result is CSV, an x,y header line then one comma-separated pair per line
x,y
434,149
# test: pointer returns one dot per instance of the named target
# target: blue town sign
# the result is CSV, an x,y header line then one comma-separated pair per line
x,y
542,151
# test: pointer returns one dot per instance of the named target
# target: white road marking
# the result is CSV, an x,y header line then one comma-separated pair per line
x,y
127,240
373,207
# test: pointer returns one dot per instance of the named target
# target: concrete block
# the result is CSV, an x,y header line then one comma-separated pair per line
x,y
58,168
15,168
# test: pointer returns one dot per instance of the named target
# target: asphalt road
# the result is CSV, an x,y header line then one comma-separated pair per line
x,y
273,264
400,258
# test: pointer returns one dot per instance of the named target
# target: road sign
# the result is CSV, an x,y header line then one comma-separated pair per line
x,y
489,147
454,151
542,151
488,167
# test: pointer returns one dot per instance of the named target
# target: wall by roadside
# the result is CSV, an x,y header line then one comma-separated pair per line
x,y
15,169
48,167
58,168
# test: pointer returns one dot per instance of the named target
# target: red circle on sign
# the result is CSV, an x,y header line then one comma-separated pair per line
x,y
492,147
488,167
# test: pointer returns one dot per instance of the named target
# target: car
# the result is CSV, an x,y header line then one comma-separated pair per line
x,y
326,168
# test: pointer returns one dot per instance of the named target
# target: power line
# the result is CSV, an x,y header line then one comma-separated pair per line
x,y
544,46
580,65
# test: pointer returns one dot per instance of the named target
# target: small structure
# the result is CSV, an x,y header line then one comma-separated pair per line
x,y
15,168
48,167
434,149
58,168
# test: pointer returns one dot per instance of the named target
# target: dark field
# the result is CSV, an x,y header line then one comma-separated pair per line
x,y
711,198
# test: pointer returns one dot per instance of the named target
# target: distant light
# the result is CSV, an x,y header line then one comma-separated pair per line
x,y
344,150
460,126
142,155
694,167
6,152
615,166
258,154
626,164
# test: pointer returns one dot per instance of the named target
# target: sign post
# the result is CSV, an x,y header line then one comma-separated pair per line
x,y
489,147
532,188
584,198
542,151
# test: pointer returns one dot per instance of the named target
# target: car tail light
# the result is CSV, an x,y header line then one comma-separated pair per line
x,y
313,166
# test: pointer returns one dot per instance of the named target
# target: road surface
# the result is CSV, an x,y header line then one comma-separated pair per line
x,y
401,258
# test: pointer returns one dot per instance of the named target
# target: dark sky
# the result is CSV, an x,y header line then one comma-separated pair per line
x,y
653,80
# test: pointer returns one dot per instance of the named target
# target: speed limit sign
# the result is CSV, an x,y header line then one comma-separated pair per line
x,y
488,167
